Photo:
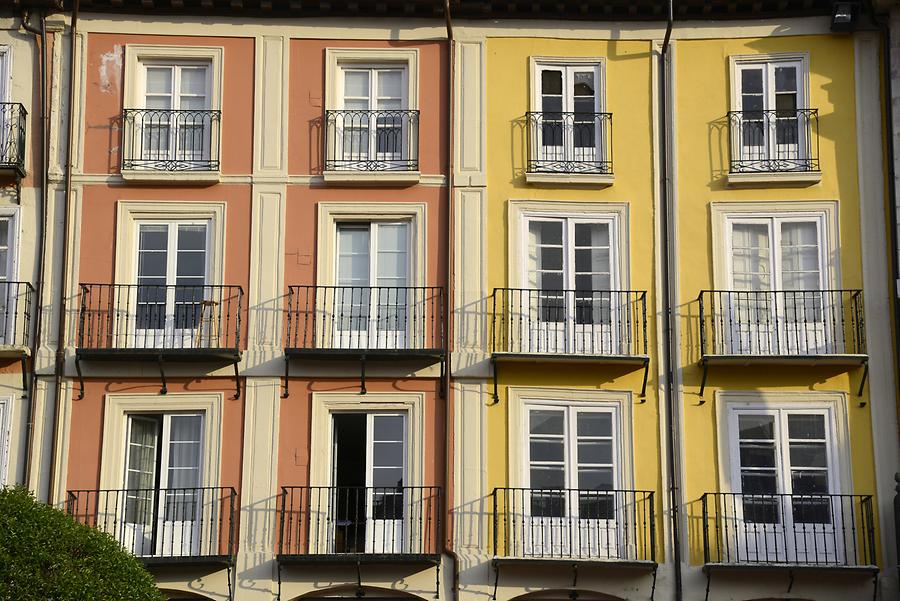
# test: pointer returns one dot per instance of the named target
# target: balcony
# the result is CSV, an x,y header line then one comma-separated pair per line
x,y
177,145
813,327
569,528
595,326
16,306
164,526
775,146
569,148
362,323
137,322
350,524
810,531
372,146
12,139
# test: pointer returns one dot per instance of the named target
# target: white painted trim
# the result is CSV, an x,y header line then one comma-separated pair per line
x,y
774,178
835,402
117,407
332,213
518,397
536,63
518,212
337,57
136,54
6,61
721,212
324,404
15,231
130,212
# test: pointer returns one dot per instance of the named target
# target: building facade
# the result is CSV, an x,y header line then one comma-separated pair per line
x,y
399,301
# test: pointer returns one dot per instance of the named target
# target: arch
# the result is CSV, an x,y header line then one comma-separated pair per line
x,y
565,594
178,595
349,591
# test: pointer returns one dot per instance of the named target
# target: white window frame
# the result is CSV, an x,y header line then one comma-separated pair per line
x,y
6,402
834,402
538,63
330,214
5,72
521,397
722,213
737,62
129,214
520,211
336,58
118,407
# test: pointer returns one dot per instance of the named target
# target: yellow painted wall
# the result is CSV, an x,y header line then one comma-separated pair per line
x,y
628,97
703,97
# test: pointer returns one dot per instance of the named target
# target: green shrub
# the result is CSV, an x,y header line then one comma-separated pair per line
x,y
45,555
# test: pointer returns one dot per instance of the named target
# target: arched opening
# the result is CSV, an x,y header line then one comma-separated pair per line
x,y
567,595
351,591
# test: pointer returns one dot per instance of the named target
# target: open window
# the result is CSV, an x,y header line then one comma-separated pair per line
x,y
163,502
372,503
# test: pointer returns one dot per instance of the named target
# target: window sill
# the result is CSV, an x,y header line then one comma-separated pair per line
x,y
372,178
200,178
775,178
593,180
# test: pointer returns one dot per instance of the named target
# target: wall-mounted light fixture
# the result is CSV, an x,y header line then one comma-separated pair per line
x,y
843,15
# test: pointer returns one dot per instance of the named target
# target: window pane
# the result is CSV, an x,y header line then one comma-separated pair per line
x,y
806,426
159,80
546,422
390,83
751,81
785,79
387,476
591,234
547,450
547,477
584,83
392,237
193,81
356,83
756,427
757,454
595,452
191,237
388,454
595,478
756,483
750,256
388,427
551,82
592,423
546,232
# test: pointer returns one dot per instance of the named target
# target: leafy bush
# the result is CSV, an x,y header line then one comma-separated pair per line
x,y
45,555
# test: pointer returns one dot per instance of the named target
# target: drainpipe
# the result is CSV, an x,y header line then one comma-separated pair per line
x,y
64,276
448,418
38,33
885,27
670,356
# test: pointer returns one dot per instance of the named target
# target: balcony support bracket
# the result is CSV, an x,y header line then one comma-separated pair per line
x,y
437,579
362,375
653,586
705,365
24,361
237,381
162,375
360,593
708,579
574,594
496,579
790,581
80,377
494,370
442,392
862,381
287,376
646,374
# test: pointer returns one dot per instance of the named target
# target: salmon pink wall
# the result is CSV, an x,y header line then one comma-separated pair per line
x,y
86,438
104,98
302,220
307,102
294,434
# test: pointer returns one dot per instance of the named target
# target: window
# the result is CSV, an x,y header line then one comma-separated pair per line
x,y
373,277
771,122
572,464
372,121
571,274
5,74
172,100
566,125
779,301
783,468
163,499
173,300
369,483
5,409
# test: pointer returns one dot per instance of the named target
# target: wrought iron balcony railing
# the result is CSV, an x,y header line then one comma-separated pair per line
x,y
569,322
774,141
16,305
385,140
170,140
163,525
825,530
142,317
360,520
12,137
569,143
365,318
785,323
611,525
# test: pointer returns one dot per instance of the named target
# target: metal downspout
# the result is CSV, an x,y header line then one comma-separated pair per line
x,y
64,279
670,356
448,313
42,237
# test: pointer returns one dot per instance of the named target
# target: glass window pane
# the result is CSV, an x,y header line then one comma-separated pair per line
x,y
583,84
193,81
387,476
547,450
785,79
547,477
388,427
756,427
810,454
591,234
159,80
751,81
153,237
387,454
186,428
592,423
191,237
392,237
544,421
595,478
755,483
551,81
806,426
356,83
546,232
390,83
757,454
595,452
